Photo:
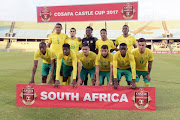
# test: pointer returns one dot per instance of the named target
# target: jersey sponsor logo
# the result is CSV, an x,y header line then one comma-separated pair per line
x,y
91,41
141,99
45,14
28,95
128,11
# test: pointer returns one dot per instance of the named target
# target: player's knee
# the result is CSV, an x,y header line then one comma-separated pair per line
x,y
129,83
44,79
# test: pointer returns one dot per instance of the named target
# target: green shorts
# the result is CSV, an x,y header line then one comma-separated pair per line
x,y
45,68
144,74
85,72
66,70
102,75
126,72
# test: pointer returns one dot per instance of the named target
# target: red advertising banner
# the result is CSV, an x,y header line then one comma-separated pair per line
x,y
89,97
93,12
166,52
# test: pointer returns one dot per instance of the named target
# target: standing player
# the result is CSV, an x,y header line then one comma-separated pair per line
x,y
91,41
122,62
144,58
73,41
104,41
57,40
48,63
87,58
104,61
126,38
70,63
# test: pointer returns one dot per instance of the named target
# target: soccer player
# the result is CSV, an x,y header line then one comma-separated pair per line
x,y
144,58
104,41
123,64
104,67
126,38
48,63
70,64
87,58
57,39
91,41
73,41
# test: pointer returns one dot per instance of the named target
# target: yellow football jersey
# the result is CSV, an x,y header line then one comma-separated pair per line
x,y
70,60
142,59
89,61
50,55
124,63
108,42
104,63
74,44
130,41
57,41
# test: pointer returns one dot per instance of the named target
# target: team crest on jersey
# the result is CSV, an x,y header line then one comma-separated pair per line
x,y
61,37
128,11
28,95
141,99
124,40
146,58
45,14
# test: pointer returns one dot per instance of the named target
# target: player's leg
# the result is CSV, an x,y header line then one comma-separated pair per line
x,y
44,72
128,76
67,70
61,73
138,75
86,80
54,74
101,77
83,75
92,75
119,74
146,81
107,75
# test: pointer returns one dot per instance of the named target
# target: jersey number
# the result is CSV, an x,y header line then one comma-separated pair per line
x,y
141,61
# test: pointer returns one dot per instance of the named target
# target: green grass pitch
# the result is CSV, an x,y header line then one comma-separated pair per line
x,y
16,68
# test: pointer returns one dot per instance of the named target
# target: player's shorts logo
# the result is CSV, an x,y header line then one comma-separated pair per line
x,y
45,14
28,95
128,11
141,99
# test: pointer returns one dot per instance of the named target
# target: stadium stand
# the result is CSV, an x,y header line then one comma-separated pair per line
x,y
4,27
24,45
3,44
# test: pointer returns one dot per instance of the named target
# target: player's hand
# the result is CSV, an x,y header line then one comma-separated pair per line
x,y
115,83
110,83
74,83
79,39
31,82
97,83
148,77
133,84
79,82
56,83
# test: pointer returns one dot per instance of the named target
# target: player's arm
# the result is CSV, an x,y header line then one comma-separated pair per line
x,y
59,60
52,71
79,71
116,44
150,61
115,70
111,75
74,63
49,41
134,43
112,46
96,44
97,71
133,69
34,71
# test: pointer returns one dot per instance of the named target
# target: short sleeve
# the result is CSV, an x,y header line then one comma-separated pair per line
x,y
151,56
50,39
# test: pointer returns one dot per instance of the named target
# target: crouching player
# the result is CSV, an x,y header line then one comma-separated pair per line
x,y
70,65
104,67
123,64
87,58
144,58
48,63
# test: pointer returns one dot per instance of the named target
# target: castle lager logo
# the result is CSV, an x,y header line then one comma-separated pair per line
x,y
45,14
141,99
128,11
28,95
